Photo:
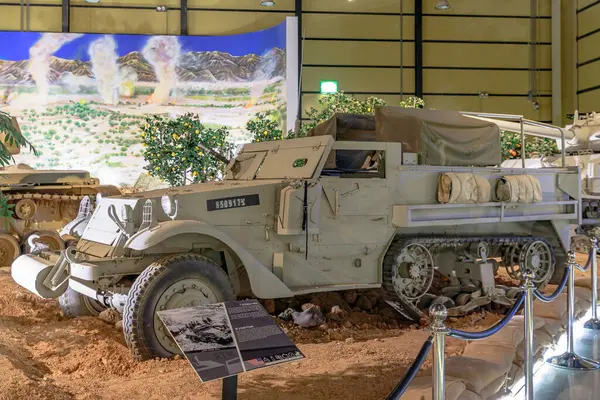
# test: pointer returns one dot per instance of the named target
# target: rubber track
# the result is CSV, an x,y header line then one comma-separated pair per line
x,y
134,337
434,243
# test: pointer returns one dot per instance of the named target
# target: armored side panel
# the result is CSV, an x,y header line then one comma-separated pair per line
x,y
24,175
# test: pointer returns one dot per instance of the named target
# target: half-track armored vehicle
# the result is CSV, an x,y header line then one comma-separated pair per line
x,y
44,202
426,202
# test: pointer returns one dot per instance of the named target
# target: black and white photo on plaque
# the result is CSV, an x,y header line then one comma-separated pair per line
x,y
200,329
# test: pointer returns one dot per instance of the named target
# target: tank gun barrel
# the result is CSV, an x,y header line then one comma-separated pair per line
x,y
215,154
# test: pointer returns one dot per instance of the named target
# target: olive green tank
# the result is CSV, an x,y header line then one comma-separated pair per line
x,y
44,202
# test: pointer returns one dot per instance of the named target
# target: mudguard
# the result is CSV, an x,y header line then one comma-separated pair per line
x,y
263,282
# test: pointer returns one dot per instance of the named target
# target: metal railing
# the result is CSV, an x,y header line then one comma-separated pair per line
x,y
523,121
569,360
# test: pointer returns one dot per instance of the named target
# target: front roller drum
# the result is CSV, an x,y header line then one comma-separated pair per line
x,y
179,281
30,272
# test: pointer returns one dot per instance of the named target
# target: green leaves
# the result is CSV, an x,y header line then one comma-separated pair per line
x,y
534,147
12,136
173,153
265,127
6,211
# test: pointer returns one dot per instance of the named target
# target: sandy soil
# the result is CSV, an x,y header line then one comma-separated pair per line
x,y
44,355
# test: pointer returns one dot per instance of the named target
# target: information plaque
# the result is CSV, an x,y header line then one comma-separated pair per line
x,y
226,339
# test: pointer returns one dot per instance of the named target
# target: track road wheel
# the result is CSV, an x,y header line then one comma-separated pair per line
x,y
9,249
183,280
75,304
408,270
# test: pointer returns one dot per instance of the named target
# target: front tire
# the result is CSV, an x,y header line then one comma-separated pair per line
x,y
75,304
183,280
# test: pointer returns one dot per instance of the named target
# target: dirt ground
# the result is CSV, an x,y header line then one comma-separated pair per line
x,y
44,355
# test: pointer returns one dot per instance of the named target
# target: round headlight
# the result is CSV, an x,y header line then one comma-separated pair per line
x,y
126,213
167,204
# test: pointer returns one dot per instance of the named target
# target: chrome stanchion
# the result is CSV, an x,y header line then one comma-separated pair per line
x,y
570,360
594,323
529,287
439,314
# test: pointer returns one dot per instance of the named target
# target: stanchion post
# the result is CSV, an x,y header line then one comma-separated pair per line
x,y
594,323
439,314
570,360
229,389
529,287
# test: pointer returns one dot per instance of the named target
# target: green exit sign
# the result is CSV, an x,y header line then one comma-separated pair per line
x,y
329,87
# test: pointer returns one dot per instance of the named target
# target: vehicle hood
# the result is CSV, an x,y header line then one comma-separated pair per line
x,y
225,203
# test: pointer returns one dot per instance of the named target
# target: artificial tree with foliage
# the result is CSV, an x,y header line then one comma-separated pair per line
x,y
264,127
173,149
11,136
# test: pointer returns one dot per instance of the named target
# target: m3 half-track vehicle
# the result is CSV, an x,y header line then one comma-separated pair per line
x,y
426,202
44,202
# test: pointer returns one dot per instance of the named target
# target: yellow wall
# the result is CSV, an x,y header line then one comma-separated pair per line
x,y
588,55
477,46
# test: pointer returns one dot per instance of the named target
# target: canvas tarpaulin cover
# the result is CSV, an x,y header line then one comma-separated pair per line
x,y
519,189
440,137
347,127
454,188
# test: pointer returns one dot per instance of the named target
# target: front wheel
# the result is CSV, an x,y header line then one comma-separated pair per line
x,y
183,280
75,304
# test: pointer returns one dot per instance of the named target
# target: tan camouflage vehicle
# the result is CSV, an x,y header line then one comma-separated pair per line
x,y
411,200
44,202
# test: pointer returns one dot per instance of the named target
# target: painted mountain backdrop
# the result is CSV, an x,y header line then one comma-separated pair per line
x,y
193,66
83,98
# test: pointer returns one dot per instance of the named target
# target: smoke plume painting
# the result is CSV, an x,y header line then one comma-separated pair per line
x,y
81,98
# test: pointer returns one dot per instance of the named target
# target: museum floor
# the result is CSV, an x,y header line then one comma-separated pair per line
x,y
556,384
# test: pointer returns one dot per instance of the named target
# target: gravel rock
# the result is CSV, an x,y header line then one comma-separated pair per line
x,y
269,306
329,300
350,296
110,316
119,325
308,306
335,336
309,318
364,303
337,314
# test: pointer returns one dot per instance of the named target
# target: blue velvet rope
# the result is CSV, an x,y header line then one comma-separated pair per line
x,y
455,333
588,263
410,374
559,289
